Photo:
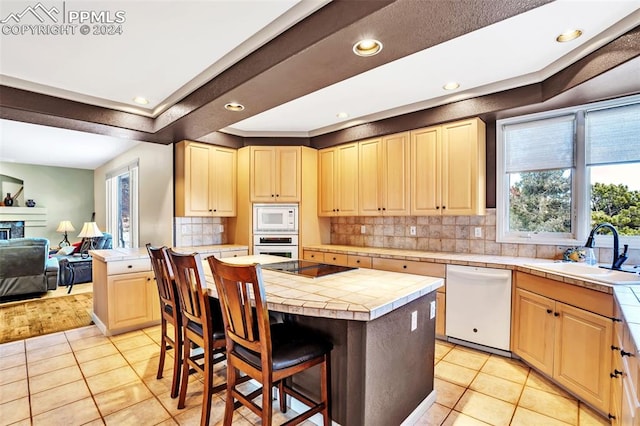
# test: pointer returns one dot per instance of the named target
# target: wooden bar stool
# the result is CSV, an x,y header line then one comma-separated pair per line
x,y
202,325
268,354
169,314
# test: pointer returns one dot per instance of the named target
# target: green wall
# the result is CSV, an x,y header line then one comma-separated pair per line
x,y
66,193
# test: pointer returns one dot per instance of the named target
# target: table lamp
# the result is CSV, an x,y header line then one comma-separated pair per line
x,y
65,226
90,230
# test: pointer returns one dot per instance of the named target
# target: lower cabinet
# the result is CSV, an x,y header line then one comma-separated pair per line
x,y
625,407
125,295
570,345
133,300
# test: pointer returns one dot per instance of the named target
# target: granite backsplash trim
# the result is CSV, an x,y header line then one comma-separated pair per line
x,y
452,234
199,231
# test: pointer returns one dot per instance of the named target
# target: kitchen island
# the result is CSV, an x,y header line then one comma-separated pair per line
x,y
382,326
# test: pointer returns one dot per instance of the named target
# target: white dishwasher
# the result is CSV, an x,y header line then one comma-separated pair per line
x,y
478,306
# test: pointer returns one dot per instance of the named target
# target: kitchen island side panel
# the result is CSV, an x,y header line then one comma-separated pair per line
x,y
380,370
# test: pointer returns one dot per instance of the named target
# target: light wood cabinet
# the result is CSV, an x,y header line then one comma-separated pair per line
x,y
448,169
569,344
275,174
384,176
205,180
338,181
625,407
125,296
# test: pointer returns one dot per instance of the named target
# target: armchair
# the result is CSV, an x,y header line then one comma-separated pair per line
x,y
25,267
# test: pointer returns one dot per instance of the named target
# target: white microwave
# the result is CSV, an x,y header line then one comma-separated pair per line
x,y
278,218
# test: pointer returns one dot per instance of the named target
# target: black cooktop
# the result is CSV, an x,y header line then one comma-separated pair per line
x,y
306,268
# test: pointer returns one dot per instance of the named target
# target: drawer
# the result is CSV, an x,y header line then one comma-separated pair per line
x,y
233,253
316,256
335,259
128,266
410,267
359,261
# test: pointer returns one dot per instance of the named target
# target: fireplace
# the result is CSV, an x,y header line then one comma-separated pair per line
x,y
11,229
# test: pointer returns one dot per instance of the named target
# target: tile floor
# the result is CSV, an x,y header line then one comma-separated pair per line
x,y
82,377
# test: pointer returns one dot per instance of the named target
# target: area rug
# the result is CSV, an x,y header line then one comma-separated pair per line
x,y
44,316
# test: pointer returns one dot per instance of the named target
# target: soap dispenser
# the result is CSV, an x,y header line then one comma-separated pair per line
x,y
590,256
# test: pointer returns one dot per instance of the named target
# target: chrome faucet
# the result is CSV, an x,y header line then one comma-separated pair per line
x,y
618,259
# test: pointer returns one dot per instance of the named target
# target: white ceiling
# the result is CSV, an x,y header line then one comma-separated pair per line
x,y
165,52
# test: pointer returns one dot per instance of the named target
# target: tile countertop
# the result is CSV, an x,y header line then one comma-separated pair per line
x,y
113,255
360,294
523,264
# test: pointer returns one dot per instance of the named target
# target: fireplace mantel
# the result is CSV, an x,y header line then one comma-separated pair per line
x,y
32,216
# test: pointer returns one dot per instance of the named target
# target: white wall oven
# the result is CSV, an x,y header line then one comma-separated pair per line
x,y
276,245
275,230
275,218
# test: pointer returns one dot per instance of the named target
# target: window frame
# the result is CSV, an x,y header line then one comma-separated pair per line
x,y
580,185
111,193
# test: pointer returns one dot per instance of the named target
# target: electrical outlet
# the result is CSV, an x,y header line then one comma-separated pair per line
x,y
221,228
412,230
414,320
432,310
363,229
477,232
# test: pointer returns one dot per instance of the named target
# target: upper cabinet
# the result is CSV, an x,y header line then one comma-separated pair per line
x,y
275,174
448,169
338,181
384,176
205,180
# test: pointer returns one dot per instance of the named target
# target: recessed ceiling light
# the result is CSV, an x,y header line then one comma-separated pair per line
x,y
234,106
342,115
140,100
451,86
568,36
368,47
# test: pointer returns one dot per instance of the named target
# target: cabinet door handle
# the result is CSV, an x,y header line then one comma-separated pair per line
x,y
148,279
611,417
549,311
358,261
614,348
615,374
383,209
437,207
129,266
272,196
404,266
444,207
624,353
277,195
556,314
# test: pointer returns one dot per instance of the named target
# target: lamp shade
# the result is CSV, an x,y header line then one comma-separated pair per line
x,y
90,230
65,226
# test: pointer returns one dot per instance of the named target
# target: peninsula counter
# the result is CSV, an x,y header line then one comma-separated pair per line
x,y
382,326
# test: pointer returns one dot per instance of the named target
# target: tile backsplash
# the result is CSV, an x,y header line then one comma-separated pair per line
x,y
199,231
455,234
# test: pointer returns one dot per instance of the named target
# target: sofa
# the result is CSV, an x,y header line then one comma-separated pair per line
x,y
75,269
26,268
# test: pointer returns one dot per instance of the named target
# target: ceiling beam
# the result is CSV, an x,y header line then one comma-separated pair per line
x,y
311,55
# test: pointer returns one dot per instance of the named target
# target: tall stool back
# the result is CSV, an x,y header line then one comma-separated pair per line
x,y
267,353
169,314
202,325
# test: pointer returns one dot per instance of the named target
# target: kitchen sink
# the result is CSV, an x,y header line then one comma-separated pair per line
x,y
587,272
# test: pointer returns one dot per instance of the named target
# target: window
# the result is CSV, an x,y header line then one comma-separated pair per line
x,y
122,206
560,173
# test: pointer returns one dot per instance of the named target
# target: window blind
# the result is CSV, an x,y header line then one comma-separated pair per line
x,y
613,135
539,145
